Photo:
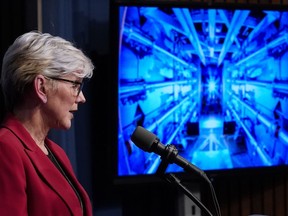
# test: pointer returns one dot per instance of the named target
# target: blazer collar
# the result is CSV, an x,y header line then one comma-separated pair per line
x,y
19,131
43,165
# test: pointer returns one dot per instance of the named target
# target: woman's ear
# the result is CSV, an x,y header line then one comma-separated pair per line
x,y
40,86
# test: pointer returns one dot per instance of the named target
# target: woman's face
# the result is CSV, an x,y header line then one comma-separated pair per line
x,y
62,101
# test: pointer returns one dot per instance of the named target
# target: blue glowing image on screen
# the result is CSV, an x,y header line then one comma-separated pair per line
x,y
212,82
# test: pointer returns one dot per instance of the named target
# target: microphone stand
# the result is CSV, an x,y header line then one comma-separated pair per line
x,y
170,178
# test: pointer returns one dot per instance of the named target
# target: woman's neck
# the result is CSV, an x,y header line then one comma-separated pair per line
x,y
35,126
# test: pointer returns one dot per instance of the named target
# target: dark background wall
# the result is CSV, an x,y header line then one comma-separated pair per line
x,y
89,143
13,22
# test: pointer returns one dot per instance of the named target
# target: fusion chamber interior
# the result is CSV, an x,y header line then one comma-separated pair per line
x,y
213,82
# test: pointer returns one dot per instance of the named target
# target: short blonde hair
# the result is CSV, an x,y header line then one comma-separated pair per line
x,y
36,53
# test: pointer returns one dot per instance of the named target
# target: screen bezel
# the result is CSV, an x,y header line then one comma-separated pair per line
x,y
249,171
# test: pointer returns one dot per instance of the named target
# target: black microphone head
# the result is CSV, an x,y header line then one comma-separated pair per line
x,y
143,138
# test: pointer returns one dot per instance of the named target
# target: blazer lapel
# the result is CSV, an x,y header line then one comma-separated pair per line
x,y
63,159
54,178
46,169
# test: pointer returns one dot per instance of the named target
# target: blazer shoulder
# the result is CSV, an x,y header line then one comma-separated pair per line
x,y
8,138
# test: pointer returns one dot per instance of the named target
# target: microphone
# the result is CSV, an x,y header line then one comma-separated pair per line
x,y
149,142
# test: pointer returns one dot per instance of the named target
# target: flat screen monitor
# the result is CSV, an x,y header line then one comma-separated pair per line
x,y
211,81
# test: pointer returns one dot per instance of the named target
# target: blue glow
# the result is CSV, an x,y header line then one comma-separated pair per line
x,y
217,92
211,86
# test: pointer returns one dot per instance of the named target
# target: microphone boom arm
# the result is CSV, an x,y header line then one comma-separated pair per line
x,y
171,153
173,179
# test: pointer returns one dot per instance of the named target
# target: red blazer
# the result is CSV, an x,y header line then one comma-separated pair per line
x,y
30,184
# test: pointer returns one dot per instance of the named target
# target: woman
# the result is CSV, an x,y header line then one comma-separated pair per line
x,y
42,78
